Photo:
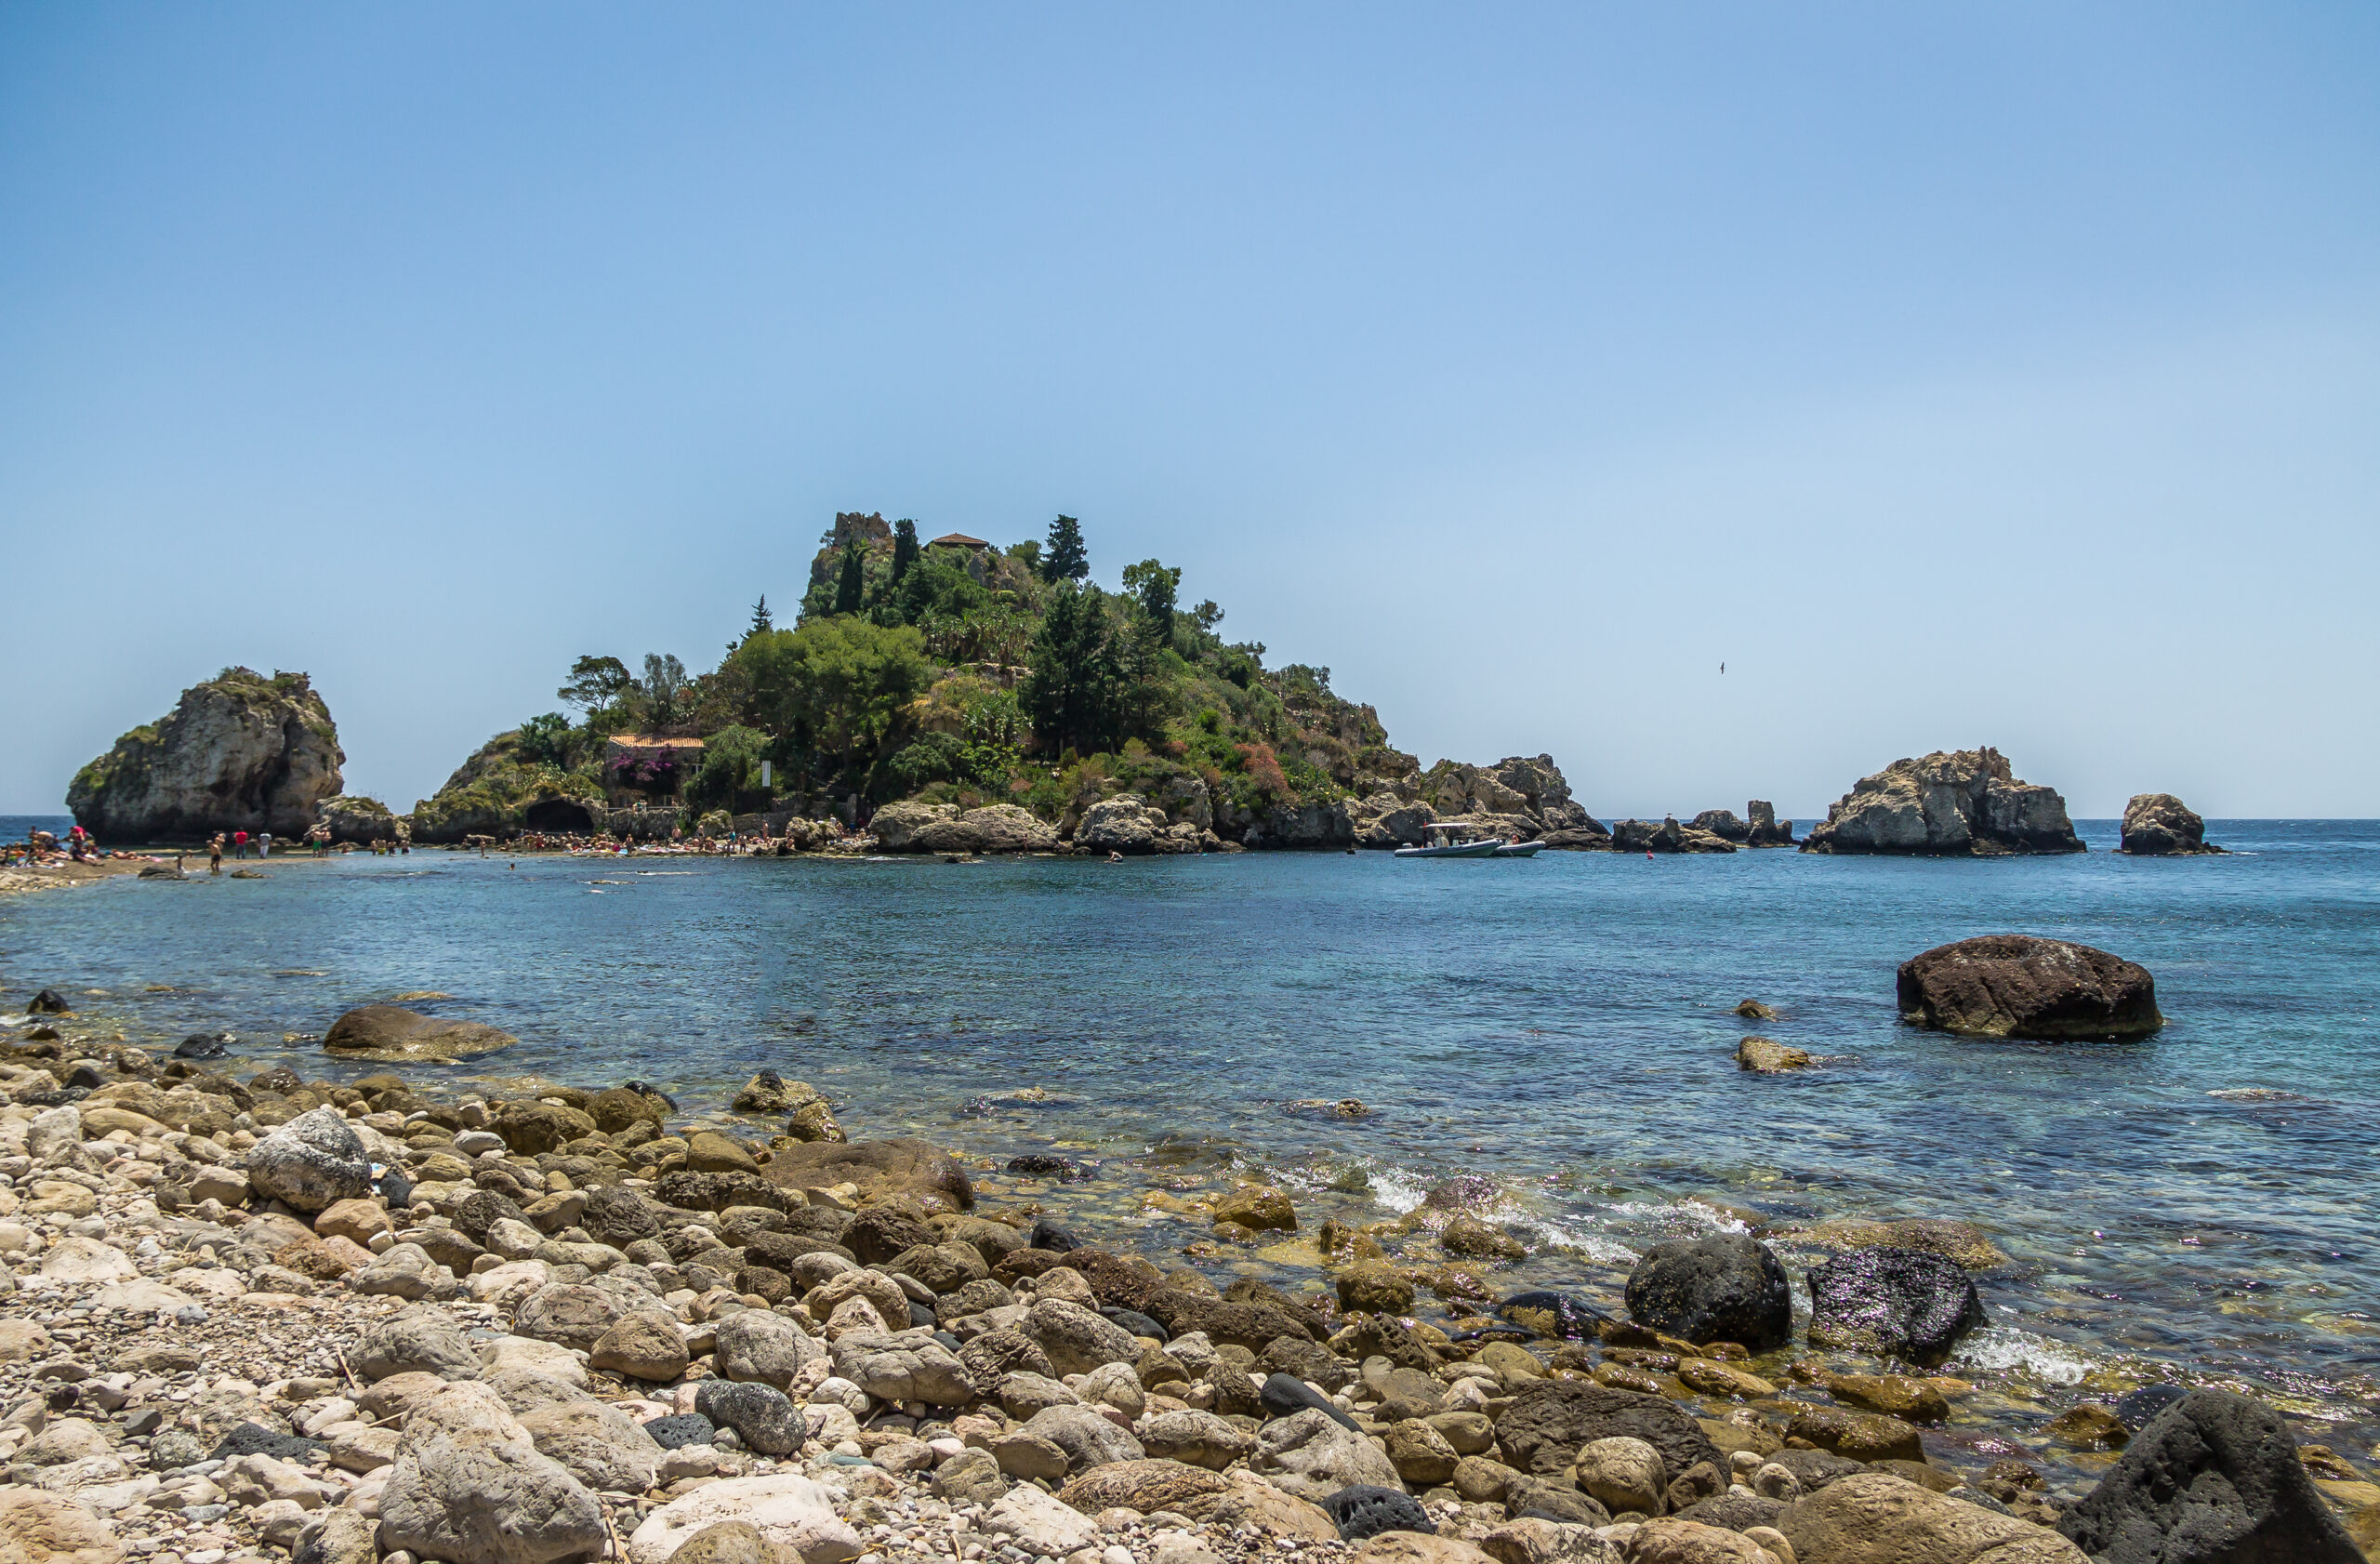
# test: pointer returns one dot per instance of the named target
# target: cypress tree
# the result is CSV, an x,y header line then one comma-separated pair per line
x,y
849,586
904,547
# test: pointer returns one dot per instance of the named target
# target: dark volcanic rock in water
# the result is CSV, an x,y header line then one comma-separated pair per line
x,y
2213,1479
2160,825
1898,1302
239,753
1040,1164
1967,803
49,1001
2023,986
202,1045
1726,1287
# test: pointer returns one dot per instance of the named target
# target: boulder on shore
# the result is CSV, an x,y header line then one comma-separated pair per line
x,y
239,753
2025,987
2160,825
2213,1477
1945,804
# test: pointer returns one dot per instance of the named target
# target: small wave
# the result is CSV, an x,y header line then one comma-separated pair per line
x,y
1399,1190
1680,1215
2005,1348
2257,1094
1587,1240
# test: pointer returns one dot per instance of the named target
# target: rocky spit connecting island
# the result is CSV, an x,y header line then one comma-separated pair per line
x,y
376,1323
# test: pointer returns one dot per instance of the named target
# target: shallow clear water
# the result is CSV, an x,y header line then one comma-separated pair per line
x,y
1563,1025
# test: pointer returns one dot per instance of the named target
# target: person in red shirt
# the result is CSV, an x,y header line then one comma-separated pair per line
x,y
238,845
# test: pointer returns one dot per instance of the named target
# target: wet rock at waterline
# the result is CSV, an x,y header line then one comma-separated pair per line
x,y
1725,1288
393,1035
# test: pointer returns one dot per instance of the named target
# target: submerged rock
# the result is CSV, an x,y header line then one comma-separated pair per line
x,y
1959,805
2023,986
2160,825
390,1034
239,753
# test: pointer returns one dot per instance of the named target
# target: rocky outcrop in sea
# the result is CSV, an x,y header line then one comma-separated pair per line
x,y
2022,986
1946,804
240,751
2160,825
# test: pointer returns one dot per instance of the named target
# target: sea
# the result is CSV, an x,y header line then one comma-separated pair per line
x,y
2193,1208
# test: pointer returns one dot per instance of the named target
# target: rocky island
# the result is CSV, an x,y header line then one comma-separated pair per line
x,y
2160,825
1967,803
240,751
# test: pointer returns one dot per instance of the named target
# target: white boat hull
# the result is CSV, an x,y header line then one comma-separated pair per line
x,y
1460,849
1520,849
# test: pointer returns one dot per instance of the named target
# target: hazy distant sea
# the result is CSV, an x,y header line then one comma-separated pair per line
x,y
2196,1205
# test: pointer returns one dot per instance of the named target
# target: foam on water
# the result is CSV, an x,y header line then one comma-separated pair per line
x,y
2005,1349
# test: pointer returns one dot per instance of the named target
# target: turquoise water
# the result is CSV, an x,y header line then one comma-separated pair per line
x,y
1562,1025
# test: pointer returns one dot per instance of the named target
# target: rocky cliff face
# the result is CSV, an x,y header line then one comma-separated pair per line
x,y
1967,803
239,753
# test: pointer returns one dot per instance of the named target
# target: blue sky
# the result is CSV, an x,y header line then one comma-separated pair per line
x,y
1956,375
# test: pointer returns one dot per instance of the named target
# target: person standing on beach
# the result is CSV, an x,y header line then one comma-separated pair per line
x,y
264,845
215,853
238,845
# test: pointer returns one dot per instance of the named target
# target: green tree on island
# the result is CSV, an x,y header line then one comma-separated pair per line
x,y
1072,695
595,683
1065,559
1154,584
842,682
904,548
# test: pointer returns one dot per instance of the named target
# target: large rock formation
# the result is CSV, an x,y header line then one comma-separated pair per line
x,y
500,789
1946,804
1519,796
915,827
2020,986
1644,836
1759,828
2159,826
239,753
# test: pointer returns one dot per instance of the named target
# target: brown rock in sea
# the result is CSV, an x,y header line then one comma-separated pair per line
x,y
1764,1057
1946,804
2023,986
2160,825
392,1034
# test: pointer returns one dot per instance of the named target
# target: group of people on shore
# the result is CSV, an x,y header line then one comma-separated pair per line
x,y
44,847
